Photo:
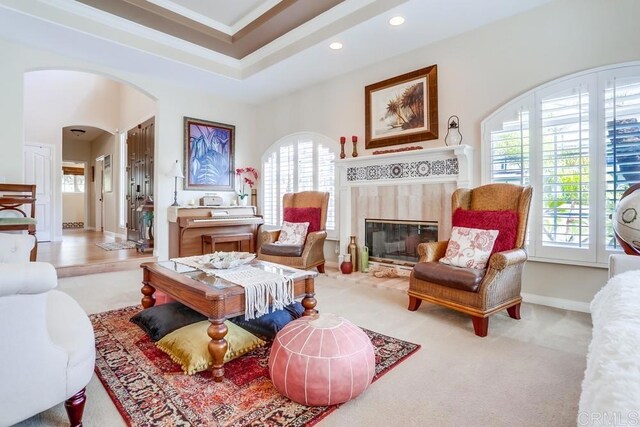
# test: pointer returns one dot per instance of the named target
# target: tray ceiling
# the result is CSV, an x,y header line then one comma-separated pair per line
x,y
210,24
223,47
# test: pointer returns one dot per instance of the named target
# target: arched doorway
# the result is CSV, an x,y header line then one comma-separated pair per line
x,y
84,117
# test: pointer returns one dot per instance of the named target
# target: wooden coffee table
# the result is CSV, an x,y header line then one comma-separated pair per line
x,y
216,298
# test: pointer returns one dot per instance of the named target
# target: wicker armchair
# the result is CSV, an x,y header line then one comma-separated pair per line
x,y
312,253
496,288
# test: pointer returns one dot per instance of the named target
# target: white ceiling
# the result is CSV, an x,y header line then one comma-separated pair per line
x,y
90,134
295,60
222,15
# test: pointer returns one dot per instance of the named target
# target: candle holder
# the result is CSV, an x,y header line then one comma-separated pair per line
x,y
343,140
354,139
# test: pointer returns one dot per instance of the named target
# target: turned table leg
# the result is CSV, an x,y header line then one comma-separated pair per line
x,y
148,300
217,347
309,302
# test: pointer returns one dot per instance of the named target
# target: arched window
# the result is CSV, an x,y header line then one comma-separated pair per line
x,y
576,140
299,162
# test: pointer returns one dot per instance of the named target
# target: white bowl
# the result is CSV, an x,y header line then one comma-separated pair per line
x,y
223,260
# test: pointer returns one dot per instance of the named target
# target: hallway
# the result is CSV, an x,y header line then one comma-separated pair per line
x,y
77,254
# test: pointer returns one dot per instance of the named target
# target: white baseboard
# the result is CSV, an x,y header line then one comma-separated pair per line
x,y
566,304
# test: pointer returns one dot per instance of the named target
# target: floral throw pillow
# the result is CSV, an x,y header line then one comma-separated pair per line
x,y
469,247
293,233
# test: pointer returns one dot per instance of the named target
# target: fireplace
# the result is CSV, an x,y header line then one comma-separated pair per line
x,y
396,241
413,185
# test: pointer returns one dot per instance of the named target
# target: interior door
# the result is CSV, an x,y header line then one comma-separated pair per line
x,y
140,153
99,193
38,170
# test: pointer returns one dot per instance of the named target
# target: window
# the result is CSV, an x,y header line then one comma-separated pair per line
x,y
72,178
576,140
298,162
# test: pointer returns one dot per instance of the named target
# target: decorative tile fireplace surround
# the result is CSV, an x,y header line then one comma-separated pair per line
x,y
410,185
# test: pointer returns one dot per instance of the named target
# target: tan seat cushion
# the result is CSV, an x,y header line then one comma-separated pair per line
x,y
17,221
281,250
465,279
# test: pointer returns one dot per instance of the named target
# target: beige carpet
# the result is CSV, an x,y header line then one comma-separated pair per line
x,y
525,372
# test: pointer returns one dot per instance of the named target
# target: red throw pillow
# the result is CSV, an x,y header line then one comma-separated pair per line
x,y
310,215
506,222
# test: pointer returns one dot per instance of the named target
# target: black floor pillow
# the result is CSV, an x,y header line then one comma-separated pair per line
x,y
160,320
268,325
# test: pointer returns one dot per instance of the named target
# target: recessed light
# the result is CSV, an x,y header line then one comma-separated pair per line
x,y
396,20
336,45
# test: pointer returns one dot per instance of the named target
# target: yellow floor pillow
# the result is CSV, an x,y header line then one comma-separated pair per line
x,y
187,346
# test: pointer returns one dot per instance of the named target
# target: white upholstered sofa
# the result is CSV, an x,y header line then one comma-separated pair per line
x,y
47,344
611,386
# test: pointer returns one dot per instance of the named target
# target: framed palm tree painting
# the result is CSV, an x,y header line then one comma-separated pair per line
x,y
402,109
208,155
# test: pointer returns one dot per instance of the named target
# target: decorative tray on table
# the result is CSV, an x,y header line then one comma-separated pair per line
x,y
224,260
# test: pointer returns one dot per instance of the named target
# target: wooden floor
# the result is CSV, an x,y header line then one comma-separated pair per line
x,y
77,254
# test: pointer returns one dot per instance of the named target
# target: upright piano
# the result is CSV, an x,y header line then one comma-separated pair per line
x,y
193,229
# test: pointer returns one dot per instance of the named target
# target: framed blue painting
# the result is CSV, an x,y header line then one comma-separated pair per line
x,y
208,155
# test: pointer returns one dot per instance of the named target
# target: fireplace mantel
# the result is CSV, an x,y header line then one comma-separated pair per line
x,y
426,166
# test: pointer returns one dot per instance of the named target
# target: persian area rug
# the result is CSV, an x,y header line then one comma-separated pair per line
x,y
114,246
150,389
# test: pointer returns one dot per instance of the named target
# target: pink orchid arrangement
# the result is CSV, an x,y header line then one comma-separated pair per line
x,y
244,178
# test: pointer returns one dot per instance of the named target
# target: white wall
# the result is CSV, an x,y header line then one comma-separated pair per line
x,y
134,107
73,207
173,103
105,145
477,72
79,152
54,99
75,151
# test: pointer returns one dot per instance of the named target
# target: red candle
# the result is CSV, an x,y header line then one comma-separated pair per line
x,y
343,139
354,138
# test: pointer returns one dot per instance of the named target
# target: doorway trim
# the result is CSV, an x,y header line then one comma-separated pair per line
x,y
51,217
99,195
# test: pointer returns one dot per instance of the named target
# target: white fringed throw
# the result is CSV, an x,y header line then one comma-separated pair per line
x,y
260,287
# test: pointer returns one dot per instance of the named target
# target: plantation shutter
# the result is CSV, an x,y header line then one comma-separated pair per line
x,y
298,163
622,137
270,199
584,137
305,165
565,159
509,150
326,179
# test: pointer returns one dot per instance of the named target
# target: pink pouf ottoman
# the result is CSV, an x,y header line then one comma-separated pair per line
x,y
321,360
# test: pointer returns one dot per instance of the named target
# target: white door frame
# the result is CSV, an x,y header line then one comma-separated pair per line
x,y
87,182
85,196
52,187
99,194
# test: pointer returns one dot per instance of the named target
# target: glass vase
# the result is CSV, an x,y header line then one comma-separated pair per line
x,y
346,267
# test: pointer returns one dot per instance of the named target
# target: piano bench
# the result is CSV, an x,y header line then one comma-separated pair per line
x,y
244,241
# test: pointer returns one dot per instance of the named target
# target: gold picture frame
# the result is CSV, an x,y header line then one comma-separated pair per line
x,y
402,109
